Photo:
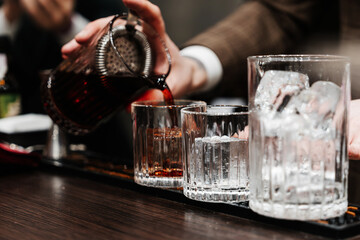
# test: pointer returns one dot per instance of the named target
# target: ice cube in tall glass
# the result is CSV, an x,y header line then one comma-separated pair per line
x,y
298,136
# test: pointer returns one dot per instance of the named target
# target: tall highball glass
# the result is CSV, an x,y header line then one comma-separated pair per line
x,y
298,135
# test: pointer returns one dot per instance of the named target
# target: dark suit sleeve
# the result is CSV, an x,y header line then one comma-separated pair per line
x,y
256,27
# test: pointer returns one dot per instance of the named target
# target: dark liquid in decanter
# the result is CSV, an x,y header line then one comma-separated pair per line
x,y
85,100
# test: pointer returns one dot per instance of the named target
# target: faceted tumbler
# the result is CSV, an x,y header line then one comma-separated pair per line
x,y
215,144
298,135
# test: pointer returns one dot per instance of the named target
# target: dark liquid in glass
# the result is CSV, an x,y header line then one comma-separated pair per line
x,y
164,155
78,102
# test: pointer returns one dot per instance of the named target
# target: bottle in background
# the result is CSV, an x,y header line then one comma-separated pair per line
x,y
10,99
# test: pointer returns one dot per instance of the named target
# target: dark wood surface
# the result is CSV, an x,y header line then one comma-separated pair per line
x,y
50,203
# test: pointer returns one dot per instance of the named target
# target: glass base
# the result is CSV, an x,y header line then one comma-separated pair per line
x,y
300,211
232,195
160,182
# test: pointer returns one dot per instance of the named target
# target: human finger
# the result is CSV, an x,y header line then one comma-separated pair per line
x,y
354,151
69,48
57,12
53,14
148,12
38,13
87,34
12,10
354,130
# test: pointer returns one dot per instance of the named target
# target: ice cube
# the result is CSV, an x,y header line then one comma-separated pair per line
x,y
329,97
305,103
316,104
276,88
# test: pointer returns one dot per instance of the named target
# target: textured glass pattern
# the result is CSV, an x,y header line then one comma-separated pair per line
x,y
157,141
298,138
216,167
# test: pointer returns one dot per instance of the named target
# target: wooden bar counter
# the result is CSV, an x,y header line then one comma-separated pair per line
x,y
53,203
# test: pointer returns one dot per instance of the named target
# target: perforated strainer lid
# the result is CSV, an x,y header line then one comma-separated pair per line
x,y
132,54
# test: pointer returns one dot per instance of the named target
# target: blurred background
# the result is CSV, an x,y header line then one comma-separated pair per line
x,y
34,47
186,18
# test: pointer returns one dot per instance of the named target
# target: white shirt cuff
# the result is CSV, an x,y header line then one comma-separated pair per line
x,y
78,22
209,61
7,28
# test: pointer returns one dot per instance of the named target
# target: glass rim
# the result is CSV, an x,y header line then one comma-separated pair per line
x,y
178,103
299,58
192,110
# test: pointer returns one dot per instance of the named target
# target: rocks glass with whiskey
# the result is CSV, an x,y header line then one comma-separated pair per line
x,y
157,141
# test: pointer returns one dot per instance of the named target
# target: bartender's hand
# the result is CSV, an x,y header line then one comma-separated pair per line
x,y
186,74
53,15
354,130
12,10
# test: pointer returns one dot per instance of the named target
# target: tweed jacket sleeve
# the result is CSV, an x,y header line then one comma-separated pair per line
x,y
256,27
